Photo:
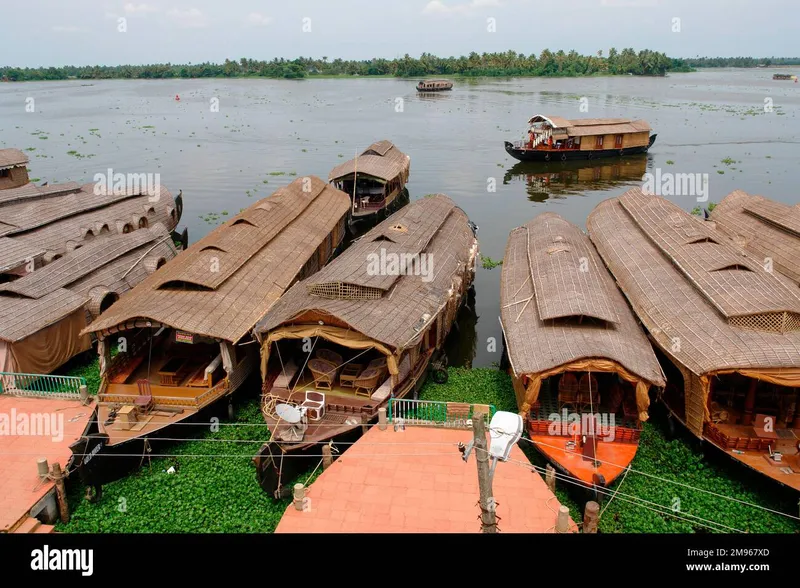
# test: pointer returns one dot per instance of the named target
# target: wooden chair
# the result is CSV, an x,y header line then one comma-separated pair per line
x,y
567,390
144,403
329,355
367,381
588,391
324,373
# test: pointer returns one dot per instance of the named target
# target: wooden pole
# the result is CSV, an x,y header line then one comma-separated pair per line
x,y
299,495
61,492
488,516
562,520
590,517
327,458
550,477
382,419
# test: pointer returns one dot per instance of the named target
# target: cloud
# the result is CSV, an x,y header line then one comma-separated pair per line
x,y
67,29
439,7
258,20
189,19
131,8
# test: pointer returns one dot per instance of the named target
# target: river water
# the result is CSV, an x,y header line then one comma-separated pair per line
x,y
739,122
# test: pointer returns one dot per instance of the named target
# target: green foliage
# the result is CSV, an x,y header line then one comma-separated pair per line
x,y
475,386
489,263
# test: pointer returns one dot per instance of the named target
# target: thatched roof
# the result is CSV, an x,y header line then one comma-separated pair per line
x,y
389,309
765,228
12,158
594,126
380,160
47,295
57,219
702,299
559,304
222,284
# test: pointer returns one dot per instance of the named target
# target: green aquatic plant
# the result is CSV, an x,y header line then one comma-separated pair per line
x,y
489,263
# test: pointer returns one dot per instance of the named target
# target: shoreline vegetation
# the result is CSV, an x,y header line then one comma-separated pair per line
x,y
507,64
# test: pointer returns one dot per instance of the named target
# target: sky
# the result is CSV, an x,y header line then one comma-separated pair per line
x,y
39,33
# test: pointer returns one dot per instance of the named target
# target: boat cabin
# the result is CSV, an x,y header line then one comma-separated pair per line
x,y
581,366
179,341
727,329
374,179
339,344
13,168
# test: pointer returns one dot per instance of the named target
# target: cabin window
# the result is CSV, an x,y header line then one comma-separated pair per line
x,y
618,141
599,142
4,173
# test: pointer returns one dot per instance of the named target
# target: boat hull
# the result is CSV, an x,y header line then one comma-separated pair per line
x,y
544,155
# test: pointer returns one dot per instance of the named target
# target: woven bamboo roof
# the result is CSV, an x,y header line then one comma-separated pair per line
x,y
559,304
648,244
12,158
380,160
389,309
49,294
765,228
59,218
594,126
222,284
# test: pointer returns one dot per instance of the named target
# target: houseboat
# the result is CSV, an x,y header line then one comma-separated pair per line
x,y
581,366
559,179
375,180
766,229
727,330
45,311
434,86
40,224
784,77
552,138
182,335
363,330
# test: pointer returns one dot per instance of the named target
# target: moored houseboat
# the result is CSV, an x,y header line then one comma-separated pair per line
x,y
768,230
727,330
363,330
375,180
552,138
434,86
581,366
182,334
784,77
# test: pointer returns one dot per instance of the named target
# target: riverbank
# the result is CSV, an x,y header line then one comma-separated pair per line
x,y
213,488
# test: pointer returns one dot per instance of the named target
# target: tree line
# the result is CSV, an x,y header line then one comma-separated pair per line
x,y
509,63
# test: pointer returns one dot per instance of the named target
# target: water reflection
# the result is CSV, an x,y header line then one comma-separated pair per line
x,y
563,178
462,340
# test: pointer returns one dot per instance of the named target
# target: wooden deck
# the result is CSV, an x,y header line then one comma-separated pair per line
x,y
148,425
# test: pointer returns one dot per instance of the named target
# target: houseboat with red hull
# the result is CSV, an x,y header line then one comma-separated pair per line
x,y
552,138
726,327
339,345
581,366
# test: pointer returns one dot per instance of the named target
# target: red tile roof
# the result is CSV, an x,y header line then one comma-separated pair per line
x,y
20,487
415,481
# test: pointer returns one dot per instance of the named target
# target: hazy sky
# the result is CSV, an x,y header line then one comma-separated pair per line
x,y
87,32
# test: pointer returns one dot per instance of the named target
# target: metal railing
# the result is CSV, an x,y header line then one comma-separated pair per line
x,y
455,415
41,385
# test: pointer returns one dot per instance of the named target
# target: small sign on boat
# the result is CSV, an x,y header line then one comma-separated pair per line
x,y
181,337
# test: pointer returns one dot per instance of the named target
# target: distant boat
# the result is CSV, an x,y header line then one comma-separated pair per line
x,y
434,85
552,138
784,77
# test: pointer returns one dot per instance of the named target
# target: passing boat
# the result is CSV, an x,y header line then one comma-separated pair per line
x,y
182,336
581,365
726,329
766,229
552,138
784,77
434,86
375,180
338,345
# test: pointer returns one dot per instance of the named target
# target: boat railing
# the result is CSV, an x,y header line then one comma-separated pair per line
x,y
42,385
453,415
177,401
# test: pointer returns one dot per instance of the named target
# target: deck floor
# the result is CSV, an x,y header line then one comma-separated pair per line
x,y
613,457
151,424
20,486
